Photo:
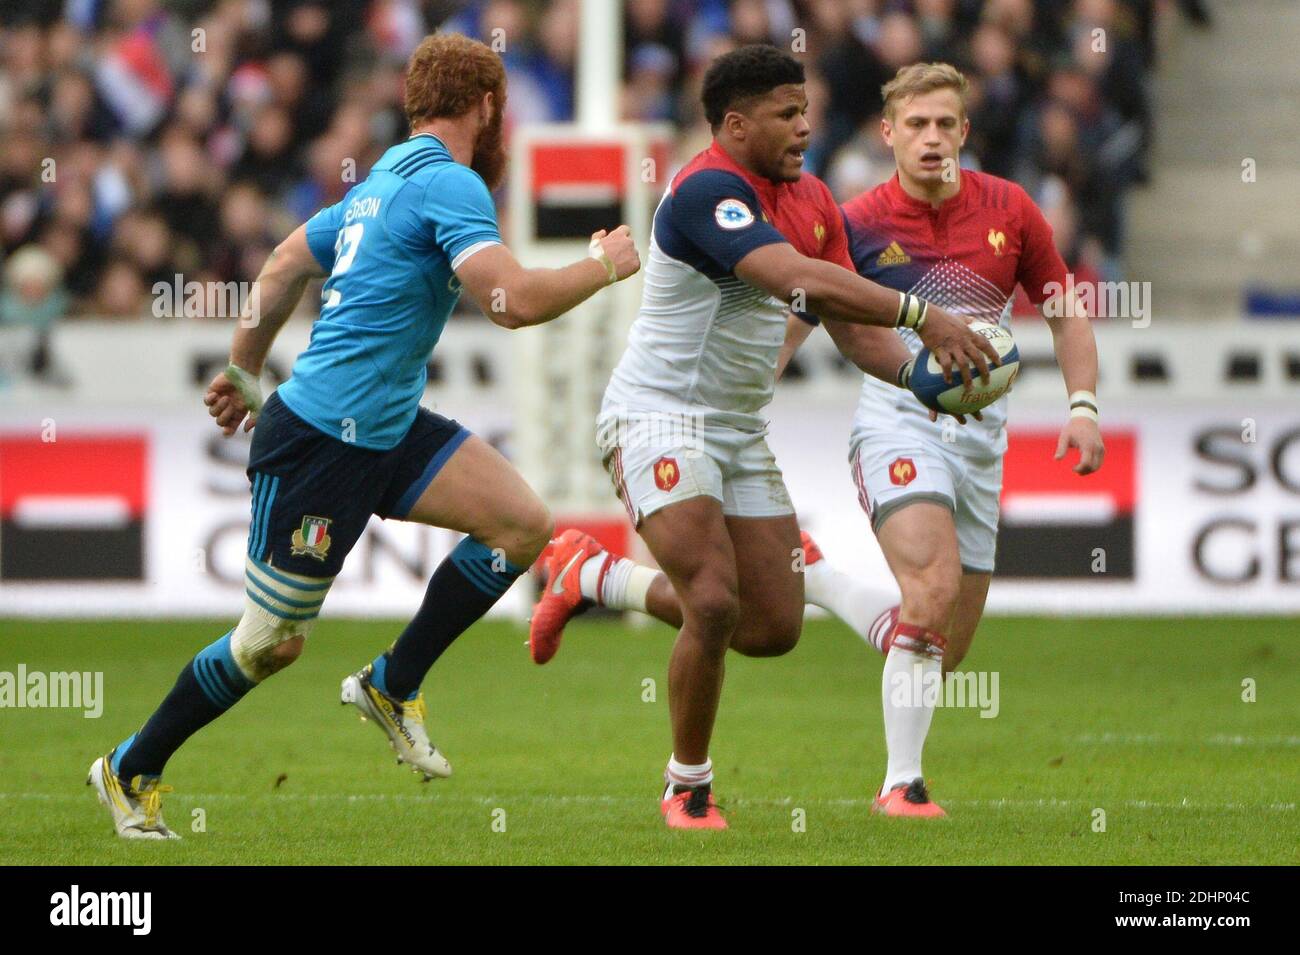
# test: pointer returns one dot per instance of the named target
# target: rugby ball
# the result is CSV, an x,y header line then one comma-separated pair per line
x,y
956,397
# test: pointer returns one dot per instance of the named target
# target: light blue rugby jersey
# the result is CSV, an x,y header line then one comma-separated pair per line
x,y
392,246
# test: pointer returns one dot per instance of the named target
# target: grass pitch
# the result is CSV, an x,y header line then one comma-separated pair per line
x,y
1143,719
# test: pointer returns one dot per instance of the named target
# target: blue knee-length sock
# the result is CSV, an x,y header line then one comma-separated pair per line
x,y
462,589
209,685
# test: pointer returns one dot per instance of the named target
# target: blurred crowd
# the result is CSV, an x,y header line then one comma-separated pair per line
x,y
143,139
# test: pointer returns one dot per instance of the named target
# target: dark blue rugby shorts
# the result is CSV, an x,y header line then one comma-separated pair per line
x,y
314,493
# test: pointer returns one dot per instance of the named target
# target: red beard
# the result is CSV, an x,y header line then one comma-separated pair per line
x,y
489,159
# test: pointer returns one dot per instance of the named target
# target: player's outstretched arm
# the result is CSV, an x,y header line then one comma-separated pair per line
x,y
881,354
235,394
874,350
517,297
877,351
1076,353
834,292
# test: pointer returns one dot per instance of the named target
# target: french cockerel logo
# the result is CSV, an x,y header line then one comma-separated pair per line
x,y
902,471
667,474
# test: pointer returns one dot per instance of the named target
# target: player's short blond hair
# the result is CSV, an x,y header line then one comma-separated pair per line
x,y
923,78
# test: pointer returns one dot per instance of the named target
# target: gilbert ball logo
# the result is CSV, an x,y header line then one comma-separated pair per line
x,y
73,908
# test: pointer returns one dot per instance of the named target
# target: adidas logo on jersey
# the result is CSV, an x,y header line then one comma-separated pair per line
x,y
894,255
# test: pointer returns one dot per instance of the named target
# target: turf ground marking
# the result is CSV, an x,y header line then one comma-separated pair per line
x,y
496,800
1152,739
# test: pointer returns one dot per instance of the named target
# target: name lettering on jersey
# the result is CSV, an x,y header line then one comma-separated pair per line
x,y
732,214
893,255
363,208
998,240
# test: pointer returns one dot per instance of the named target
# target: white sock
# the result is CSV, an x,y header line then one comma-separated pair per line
x,y
590,576
857,603
624,586
684,774
907,695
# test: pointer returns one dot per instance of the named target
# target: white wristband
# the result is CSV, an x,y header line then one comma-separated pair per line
x,y
911,311
1083,404
596,251
248,386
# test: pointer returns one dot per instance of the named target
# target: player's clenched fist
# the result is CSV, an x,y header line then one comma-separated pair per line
x,y
620,250
227,405
954,345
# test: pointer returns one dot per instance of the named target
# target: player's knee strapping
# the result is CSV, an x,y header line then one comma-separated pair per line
x,y
918,640
278,606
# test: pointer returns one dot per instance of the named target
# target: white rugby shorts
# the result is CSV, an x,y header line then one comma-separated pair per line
x,y
653,462
895,468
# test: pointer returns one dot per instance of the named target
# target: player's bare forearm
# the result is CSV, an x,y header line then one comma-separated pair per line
x,y
234,395
834,292
817,286
796,333
878,352
1076,353
516,297
275,295
1075,346
546,294
844,296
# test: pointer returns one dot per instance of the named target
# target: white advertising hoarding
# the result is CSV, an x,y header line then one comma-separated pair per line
x,y
1196,511
192,526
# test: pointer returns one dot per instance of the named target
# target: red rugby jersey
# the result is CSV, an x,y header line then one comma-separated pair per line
x,y
967,255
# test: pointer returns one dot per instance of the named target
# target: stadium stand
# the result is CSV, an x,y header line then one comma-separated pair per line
x,y
144,139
